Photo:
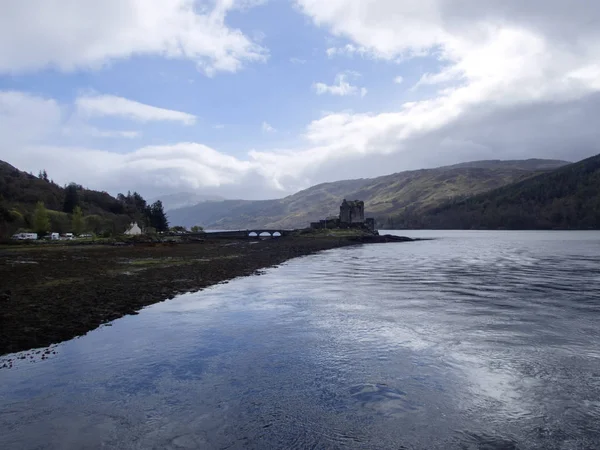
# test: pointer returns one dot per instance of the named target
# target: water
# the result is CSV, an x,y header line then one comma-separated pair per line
x,y
477,340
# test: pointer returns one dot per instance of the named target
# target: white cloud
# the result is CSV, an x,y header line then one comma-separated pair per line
x,y
85,34
528,51
267,128
118,134
349,50
297,61
515,79
27,118
341,86
399,79
110,105
86,130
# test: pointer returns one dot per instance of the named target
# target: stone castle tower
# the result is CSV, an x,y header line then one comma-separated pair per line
x,y
352,212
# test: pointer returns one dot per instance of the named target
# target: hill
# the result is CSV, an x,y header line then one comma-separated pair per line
x,y
567,198
384,196
183,199
103,214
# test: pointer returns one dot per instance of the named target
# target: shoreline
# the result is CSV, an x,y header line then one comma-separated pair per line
x,y
52,294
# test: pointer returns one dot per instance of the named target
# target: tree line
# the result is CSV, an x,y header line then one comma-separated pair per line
x,y
30,203
149,217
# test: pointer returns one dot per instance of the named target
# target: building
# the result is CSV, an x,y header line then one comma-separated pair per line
x,y
352,212
54,236
133,230
352,215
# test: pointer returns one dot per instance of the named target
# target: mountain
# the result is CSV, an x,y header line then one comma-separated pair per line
x,y
383,196
21,191
183,199
567,198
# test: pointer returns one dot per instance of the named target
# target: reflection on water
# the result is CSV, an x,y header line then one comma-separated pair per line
x,y
476,340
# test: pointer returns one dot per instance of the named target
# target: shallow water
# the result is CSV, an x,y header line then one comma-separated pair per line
x,y
476,340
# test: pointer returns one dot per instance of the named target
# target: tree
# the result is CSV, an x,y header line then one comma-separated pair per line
x,y
71,198
60,222
178,229
77,222
158,218
197,229
96,224
41,221
45,175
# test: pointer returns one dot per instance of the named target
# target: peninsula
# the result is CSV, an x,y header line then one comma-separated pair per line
x,y
54,291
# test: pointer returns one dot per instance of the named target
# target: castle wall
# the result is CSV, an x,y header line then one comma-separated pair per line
x,y
357,214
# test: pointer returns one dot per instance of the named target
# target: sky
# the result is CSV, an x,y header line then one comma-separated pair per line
x,y
259,99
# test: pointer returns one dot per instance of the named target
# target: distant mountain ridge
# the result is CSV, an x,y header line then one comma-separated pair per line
x,y
566,198
384,196
183,199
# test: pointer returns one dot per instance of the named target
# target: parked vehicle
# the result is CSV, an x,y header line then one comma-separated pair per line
x,y
25,236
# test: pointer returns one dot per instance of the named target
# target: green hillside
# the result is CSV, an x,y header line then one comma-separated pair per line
x,y
384,196
20,192
567,198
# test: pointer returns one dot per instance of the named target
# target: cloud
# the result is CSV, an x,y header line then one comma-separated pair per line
x,y
88,34
530,50
399,79
27,118
297,61
512,80
348,50
82,129
341,86
267,128
110,105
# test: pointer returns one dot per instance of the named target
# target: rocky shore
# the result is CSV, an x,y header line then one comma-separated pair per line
x,y
49,294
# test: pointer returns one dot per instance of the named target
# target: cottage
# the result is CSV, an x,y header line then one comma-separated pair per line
x,y
134,229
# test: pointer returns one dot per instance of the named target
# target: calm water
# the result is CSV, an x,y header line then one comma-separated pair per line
x,y
477,340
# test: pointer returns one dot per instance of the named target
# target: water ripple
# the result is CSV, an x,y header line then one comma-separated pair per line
x,y
476,340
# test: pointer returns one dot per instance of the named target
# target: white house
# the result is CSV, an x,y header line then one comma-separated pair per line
x,y
54,236
133,230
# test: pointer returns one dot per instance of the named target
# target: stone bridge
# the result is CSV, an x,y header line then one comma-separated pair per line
x,y
241,234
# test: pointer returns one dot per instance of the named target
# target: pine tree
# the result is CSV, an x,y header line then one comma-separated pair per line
x,y
158,218
77,223
41,221
71,198
45,175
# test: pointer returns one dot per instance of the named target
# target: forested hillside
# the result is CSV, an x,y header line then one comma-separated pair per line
x,y
23,194
383,196
567,198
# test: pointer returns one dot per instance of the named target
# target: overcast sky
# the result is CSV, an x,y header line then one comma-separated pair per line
x,y
261,98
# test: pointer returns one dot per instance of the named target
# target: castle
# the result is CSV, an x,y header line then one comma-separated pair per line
x,y
352,215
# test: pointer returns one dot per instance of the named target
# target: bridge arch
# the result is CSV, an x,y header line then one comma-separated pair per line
x,y
256,233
